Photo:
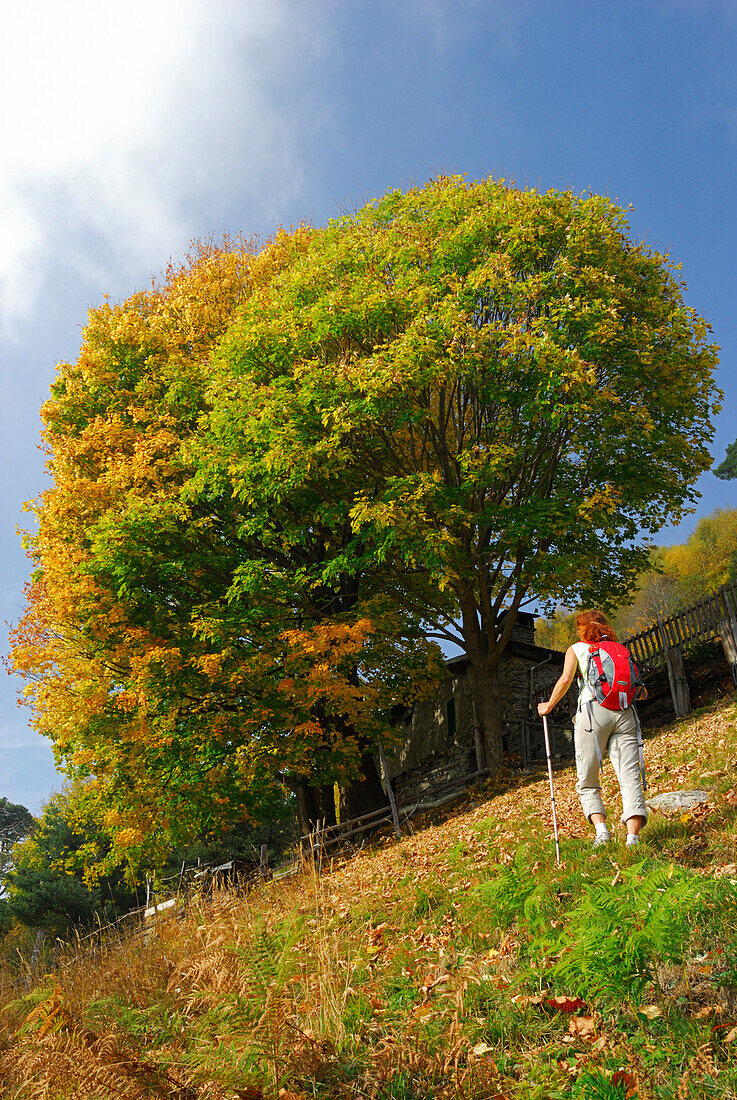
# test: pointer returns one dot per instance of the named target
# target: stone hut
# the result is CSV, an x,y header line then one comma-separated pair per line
x,y
440,733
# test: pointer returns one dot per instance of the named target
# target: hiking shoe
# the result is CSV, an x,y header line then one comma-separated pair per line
x,y
600,840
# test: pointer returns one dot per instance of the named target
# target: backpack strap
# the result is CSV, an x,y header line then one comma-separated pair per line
x,y
595,656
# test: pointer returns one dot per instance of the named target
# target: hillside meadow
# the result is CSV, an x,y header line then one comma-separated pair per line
x,y
459,962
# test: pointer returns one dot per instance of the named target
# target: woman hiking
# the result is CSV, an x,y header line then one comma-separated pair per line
x,y
597,730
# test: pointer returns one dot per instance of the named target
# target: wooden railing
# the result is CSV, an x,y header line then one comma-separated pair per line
x,y
704,621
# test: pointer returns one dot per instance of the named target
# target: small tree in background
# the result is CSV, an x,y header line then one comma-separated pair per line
x,y
61,877
676,577
727,469
16,822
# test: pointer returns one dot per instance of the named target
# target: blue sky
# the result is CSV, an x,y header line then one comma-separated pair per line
x,y
125,133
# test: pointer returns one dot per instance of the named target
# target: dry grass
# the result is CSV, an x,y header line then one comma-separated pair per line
x,y
394,975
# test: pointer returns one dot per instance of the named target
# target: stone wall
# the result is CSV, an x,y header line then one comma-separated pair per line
x,y
520,680
439,743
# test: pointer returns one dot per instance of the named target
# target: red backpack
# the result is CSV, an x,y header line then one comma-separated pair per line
x,y
612,675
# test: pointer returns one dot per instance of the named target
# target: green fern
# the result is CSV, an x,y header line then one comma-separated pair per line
x,y
617,933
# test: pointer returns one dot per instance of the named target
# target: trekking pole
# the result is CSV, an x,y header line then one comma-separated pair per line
x,y
552,792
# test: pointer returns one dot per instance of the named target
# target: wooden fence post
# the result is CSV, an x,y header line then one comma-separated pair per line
x,y
263,866
389,792
727,628
316,844
36,955
679,688
728,633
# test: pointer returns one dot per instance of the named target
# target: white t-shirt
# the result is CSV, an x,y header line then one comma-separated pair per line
x,y
581,649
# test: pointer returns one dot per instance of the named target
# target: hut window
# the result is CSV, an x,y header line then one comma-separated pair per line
x,y
450,716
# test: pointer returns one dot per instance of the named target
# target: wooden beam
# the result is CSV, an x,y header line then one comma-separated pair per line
x,y
728,635
679,689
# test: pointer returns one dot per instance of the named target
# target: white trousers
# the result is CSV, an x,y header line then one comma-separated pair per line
x,y
616,734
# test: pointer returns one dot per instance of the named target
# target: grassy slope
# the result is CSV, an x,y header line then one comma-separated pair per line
x,y
432,967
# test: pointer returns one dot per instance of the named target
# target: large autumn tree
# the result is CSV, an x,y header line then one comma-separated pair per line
x,y
271,473
188,698
512,389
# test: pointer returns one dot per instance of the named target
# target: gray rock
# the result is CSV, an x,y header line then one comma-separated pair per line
x,y
677,800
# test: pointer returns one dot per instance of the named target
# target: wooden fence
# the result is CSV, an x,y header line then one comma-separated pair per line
x,y
324,843
701,622
666,642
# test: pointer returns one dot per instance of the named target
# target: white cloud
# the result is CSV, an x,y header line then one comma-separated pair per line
x,y
125,126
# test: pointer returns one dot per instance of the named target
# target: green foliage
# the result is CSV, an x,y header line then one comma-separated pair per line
x,y
241,841
151,1026
6,917
616,936
727,469
52,900
16,822
557,632
59,879
594,1085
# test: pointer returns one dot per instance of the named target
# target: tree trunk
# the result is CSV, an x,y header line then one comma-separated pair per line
x,y
314,803
488,712
364,794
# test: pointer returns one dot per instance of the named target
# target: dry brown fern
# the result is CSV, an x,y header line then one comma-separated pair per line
x,y
84,1066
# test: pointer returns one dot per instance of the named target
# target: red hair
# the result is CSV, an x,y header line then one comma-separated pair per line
x,y
593,627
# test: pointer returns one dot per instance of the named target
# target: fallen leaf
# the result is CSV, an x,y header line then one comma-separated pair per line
x,y
708,1010
481,1049
650,1011
731,1035
582,1027
622,1077
565,1004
